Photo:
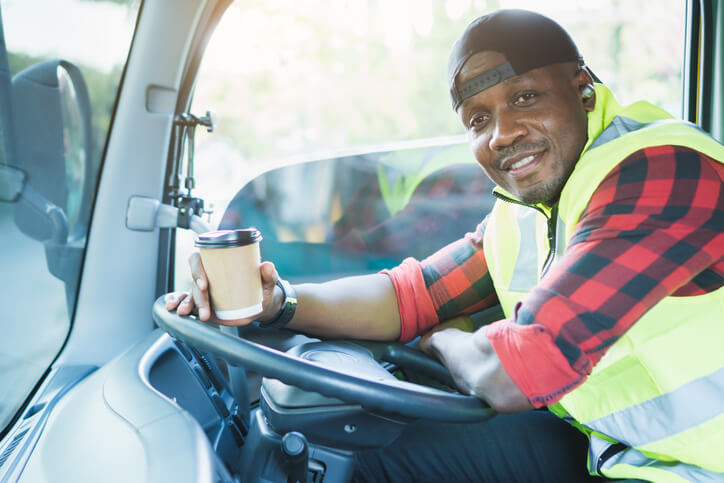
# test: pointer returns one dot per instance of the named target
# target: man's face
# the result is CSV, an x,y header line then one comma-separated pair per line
x,y
528,131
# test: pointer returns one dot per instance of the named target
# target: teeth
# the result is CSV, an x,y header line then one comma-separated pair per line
x,y
522,162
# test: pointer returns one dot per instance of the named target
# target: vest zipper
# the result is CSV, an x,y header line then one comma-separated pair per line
x,y
552,242
551,222
609,453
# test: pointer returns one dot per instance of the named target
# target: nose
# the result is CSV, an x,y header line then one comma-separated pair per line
x,y
506,132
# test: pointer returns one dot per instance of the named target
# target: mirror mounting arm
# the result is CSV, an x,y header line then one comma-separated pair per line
x,y
185,124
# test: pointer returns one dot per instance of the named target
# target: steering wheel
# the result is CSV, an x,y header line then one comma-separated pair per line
x,y
373,393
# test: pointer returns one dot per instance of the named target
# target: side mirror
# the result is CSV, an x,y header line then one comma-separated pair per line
x,y
52,144
12,182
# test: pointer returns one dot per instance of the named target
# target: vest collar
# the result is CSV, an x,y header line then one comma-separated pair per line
x,y
607,108
502,194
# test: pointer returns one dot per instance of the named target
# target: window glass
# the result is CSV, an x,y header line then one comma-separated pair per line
x,y
319,101
54,131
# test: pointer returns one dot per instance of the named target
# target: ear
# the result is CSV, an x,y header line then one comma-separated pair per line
x,y
584,83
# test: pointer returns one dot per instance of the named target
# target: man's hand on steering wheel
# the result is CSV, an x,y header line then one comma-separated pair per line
x,y
463,323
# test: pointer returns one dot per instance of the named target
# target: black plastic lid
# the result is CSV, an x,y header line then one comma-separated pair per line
x,y
228,238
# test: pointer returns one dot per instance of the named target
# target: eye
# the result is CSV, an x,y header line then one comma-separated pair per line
x,y
477,121
524,99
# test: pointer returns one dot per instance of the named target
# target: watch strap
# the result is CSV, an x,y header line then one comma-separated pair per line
x,y
287,310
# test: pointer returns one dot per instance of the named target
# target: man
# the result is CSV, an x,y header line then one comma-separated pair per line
x,y
606,253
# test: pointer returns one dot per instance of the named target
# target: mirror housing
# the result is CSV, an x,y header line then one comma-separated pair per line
x,y
52,140
12,182
52,143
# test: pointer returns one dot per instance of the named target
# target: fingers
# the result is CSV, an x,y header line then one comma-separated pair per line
x,y
462,322
181,302
269,275
424,344
198,274
173,299
201,299
186,306
200,287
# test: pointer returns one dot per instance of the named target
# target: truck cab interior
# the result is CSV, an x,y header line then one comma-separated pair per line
x,y
129,126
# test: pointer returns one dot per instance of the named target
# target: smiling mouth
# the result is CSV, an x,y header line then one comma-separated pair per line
x,y
525,165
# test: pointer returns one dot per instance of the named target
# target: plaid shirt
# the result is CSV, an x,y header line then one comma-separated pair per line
x,y
653,228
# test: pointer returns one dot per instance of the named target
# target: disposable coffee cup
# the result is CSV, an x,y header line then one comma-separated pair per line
x,y
231,260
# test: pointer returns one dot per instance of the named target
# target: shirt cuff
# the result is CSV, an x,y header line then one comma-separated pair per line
x,y
417,312
532,360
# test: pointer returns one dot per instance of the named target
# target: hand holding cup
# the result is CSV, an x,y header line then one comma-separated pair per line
x,y
230,285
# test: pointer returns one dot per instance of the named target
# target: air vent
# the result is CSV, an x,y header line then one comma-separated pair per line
x,y
13,444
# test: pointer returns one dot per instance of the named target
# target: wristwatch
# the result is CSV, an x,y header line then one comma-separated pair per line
x,y
286,312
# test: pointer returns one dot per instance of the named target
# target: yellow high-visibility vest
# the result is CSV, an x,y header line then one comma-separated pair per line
x,y
653,406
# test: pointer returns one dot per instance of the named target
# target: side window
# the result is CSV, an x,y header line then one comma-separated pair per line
x,y
60,68
335,135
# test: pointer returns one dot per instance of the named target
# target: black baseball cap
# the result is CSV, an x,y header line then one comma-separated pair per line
x,y
528,40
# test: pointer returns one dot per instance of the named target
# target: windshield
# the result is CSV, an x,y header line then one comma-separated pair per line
x,y
60,79
334,130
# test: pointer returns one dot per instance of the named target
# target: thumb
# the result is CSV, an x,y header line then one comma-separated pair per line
x,y
269,275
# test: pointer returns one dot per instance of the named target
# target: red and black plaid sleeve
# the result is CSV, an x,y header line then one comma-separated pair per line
x,y
457,278
653,228
452,281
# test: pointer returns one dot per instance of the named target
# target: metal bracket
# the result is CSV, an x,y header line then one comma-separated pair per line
x,y
187,207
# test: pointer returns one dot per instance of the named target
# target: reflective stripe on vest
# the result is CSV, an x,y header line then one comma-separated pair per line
x,y
525,272
628,460
671,413
621,125
641,424
529,263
